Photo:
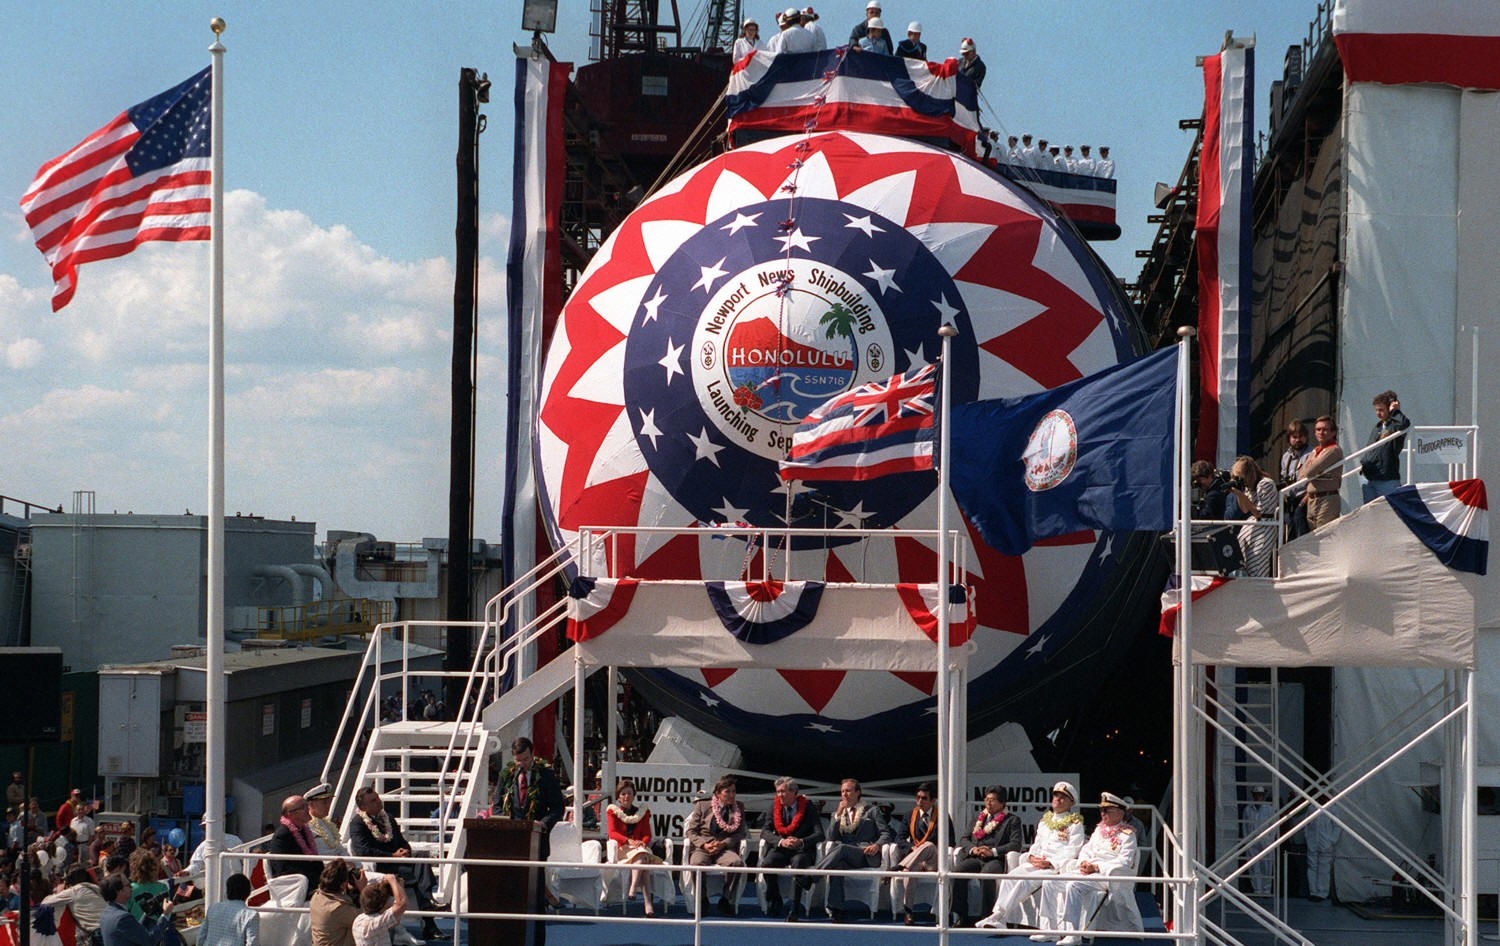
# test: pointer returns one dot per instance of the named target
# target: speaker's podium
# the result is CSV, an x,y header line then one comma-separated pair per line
x,y
496,889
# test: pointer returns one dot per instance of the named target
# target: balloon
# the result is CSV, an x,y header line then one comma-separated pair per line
x,y
176,838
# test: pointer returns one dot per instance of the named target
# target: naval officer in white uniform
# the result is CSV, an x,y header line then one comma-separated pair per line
x,y
1059,837
1110,850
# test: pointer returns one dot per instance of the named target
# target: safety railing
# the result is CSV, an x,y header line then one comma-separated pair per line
x,y
1442,441
456,911
327,618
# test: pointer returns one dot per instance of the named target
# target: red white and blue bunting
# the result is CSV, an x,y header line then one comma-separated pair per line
x,y
597,604
1171,598
1451,519
921,603
764,612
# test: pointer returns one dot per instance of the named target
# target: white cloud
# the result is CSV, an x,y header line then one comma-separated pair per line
x,y
337,362
24,353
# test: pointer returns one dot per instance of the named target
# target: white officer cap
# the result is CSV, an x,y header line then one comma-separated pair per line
x,y
1067,789
873,5
1111,800
320,790
792,13
914,27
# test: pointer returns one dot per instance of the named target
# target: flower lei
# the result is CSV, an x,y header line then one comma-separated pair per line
x,y
849,818
931,823
637,813
1060,823
784,829
381,830
1112,834
304,836
984,827
530,804
731,826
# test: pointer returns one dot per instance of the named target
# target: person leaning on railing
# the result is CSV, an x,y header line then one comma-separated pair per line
x,y
1382,466
1322,469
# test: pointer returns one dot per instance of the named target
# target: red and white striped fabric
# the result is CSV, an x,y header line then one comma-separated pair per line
x,y
144,176
1450,42
882,95
1225,171
1171,599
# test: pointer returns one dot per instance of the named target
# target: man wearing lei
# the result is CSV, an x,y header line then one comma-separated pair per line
x,y
856,834
790,834
715,829
917,844
1110,850
528,790
325,832
374,833
1059,837
995,833
293,836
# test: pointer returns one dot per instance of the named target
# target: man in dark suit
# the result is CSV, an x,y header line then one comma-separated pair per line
x,y
791,829
374,833
293,836
857,833
528,790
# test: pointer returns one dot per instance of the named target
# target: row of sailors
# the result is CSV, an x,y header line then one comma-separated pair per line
x,y
1022,153
799,32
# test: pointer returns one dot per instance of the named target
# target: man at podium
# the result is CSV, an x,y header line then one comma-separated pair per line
x,y
528,790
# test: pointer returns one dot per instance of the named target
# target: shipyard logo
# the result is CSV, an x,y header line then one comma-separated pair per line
x,y
1051,452
784,339
750,325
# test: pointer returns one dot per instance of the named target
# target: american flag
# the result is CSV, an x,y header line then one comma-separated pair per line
x,y
144,176
876,429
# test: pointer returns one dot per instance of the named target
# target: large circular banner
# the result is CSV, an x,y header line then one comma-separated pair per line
x,y
746,293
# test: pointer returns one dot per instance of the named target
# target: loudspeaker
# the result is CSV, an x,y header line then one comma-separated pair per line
x,y
31,688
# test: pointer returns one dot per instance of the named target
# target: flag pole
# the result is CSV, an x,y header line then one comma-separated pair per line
x,y
945,749
1183,775
213,787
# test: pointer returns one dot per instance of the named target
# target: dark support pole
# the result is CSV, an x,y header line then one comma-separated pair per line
x,y
472,92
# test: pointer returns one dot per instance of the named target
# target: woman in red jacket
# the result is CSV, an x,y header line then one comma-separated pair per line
x,y
630,827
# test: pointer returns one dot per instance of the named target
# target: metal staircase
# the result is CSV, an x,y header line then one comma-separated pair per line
x,y
416,764
1255,720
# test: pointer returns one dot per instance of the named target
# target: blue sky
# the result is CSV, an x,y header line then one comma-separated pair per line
x,y
340,133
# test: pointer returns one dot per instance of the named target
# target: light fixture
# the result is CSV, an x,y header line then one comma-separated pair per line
x,y
539,16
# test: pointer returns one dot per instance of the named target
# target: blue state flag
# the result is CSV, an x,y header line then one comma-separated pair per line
x,y
1092,454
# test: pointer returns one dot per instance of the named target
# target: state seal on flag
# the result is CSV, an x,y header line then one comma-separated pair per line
x,y
1051,452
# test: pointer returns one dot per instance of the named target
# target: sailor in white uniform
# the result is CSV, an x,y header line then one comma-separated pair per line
x,y
1257,818
1070,163
325,832
1110,850
810,23
1106,165
1321,835
1059,837
1026,155
1041,158
1085,163
792,38
749,40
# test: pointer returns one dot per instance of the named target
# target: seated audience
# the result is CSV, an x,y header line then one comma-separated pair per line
x,y
855,835
374,833
230,922
996,833
629,826
1110,850
1059,837
791,829
918,845
714,831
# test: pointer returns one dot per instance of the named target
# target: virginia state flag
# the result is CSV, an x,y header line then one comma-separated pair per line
x,y
1092,454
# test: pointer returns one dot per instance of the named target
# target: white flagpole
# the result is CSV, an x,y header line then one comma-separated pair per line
x,y
945,749
1183,775
213,787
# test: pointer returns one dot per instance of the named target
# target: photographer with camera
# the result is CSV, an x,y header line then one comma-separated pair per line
x,y
1210,492
1255,497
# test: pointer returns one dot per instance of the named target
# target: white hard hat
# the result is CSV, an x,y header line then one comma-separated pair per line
x,y
914,27
792,13
876,23
873,5
966,46
749,21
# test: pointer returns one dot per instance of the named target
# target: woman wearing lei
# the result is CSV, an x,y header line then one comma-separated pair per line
x,y
630,827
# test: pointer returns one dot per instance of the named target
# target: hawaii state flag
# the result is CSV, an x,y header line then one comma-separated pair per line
x,y
875,430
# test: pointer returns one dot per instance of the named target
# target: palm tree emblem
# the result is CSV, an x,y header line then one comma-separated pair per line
x,y
837,321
